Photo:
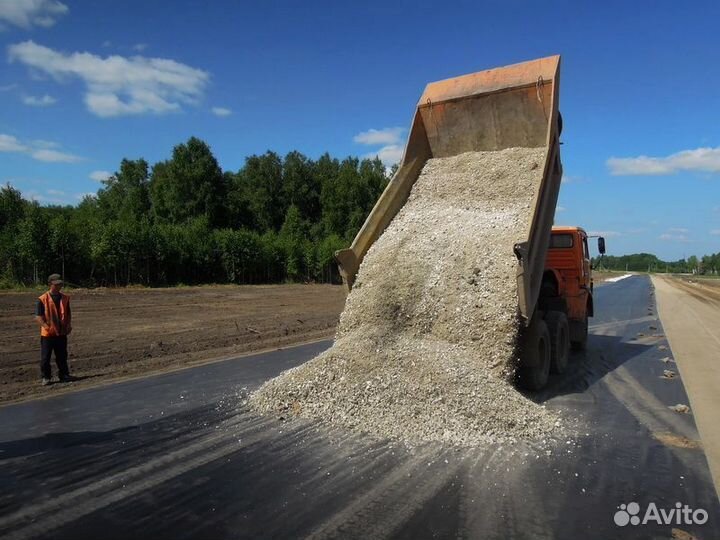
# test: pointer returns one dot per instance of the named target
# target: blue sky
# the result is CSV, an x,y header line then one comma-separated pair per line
x,y
84,84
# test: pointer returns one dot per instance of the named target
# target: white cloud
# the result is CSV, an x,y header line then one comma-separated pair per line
x,y
715,232
99,176
8,87
678,230
35,101
41,143
140,47
700,159
386,136
605,234
50,196
389,155
221,111
107,43
117,85
8,143
54,156
560,209
39,150
669,237
29,13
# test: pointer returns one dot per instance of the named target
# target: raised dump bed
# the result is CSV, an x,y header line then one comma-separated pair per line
x,y
427,345
512,106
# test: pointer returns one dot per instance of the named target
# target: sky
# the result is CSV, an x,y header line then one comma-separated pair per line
x,y
84,84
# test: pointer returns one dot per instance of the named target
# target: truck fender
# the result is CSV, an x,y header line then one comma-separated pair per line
x,y
549,299
552,277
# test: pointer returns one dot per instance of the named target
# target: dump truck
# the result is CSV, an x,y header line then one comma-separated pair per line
x,y
512,106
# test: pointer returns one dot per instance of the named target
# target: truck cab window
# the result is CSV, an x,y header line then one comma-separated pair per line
x,y
559,241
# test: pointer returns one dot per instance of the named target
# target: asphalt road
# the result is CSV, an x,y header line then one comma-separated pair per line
x,y
179,456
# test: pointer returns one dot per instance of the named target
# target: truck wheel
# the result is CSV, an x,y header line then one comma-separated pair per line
x,y
535,356
559,329
580,334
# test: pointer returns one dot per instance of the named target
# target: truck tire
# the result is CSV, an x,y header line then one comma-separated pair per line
x,y
579,334
535,356
559,329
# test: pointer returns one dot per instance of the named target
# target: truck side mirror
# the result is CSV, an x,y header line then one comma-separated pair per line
x,y
601,245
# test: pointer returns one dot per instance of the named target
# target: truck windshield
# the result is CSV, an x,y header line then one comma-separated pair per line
x,y
561,241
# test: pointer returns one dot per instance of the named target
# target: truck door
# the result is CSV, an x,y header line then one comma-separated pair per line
x,y
586,263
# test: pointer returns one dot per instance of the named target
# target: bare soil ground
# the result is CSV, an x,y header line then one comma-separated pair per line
x,y
121,333
689,308
707,288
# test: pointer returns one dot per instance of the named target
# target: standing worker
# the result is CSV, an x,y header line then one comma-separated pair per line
x,y
52,313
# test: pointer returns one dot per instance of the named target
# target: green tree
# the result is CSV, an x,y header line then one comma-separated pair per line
x,y
187,221
12,211
32,242
262,176
12,207
326,268
61,238
293,236
126,194
239,210
239,253
189,185
300,186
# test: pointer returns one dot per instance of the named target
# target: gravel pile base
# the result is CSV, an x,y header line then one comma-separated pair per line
x,y
426,346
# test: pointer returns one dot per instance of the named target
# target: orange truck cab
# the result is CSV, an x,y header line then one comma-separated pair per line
x,y
568,272
565,303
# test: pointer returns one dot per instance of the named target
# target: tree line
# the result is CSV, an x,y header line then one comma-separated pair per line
x,y
185,220
647,262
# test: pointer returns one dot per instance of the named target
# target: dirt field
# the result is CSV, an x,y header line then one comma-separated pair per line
x,y
689,308
708,287
120,333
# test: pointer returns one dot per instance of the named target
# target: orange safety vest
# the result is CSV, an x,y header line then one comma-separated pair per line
x,y
58,322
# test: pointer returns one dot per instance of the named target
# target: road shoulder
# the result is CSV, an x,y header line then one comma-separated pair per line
x,y
688,319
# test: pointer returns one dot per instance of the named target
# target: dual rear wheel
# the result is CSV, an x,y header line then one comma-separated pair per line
x,y
545,348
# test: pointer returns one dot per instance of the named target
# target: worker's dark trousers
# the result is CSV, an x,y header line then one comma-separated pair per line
x,y
47,346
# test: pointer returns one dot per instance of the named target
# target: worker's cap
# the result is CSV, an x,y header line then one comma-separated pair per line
x,y
55,279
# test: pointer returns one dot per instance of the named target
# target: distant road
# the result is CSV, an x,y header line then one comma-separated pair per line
x,y
179,456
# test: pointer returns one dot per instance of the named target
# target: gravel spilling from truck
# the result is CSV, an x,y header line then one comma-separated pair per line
x,y
427,344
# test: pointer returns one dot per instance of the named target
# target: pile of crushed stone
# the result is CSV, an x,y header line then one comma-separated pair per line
x,y
427,344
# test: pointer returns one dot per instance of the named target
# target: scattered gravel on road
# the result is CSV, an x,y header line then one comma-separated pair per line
x,y
680,408
426,346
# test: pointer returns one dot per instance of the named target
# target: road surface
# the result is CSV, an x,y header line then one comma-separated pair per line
x,y
179,456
